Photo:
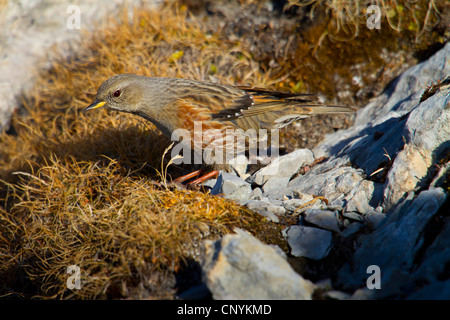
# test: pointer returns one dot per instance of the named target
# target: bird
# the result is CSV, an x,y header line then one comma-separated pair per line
x,y
179,104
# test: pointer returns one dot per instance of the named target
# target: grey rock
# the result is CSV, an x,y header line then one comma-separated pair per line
x,y
308,242
240,164
379,126
439,290
275,183
210,183
283,167
358,198
256,194
299,205
351,229
395,244
427,135
436,257
336,295
353,216
373,219
266,209
232,187
279,194
331,184
239,266
337,205
324,219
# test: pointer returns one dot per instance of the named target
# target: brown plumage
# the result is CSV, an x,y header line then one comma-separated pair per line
x,y
175,103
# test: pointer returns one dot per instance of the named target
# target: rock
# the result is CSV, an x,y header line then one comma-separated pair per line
x,y
373,219
308,242
324,219
275,183
336,295
427,135
378,128
283,167
395,243
353,216
436,258
232,187
239,266
293,205
240,165
210,183
439,290
256,194
266,209
351,229
336,205
358,198
331,184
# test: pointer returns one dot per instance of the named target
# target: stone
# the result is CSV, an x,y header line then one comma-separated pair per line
x,y
275,183
439,290
324,219
378,128
240,164
283,167
239,266
427,135
373,219
256,194
394,245
332,184
351,229
436,258
358,198
266,209
232,187
293,205
308,242
210,183
353,216
337,295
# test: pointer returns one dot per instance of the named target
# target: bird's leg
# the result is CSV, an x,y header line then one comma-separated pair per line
x,y
204,178
188,176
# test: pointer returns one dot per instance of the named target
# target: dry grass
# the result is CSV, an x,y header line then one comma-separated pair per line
x,y
127,236
77,189
348,17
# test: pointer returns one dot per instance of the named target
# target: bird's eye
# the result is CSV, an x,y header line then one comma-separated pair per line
x,y
117,93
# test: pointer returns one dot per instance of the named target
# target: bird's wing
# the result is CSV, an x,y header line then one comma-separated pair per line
x,y
262,108
248,107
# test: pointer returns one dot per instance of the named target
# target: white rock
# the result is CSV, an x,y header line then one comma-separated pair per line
x,y
239,266
427,135
308,242
324,219
284,166
232,187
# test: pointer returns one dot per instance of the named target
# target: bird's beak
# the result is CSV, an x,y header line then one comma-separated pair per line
x,y
96,104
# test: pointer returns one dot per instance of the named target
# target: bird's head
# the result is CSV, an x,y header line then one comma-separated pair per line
x,y
121,92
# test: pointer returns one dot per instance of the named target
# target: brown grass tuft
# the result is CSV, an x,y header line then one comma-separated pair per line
x,y
78,189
